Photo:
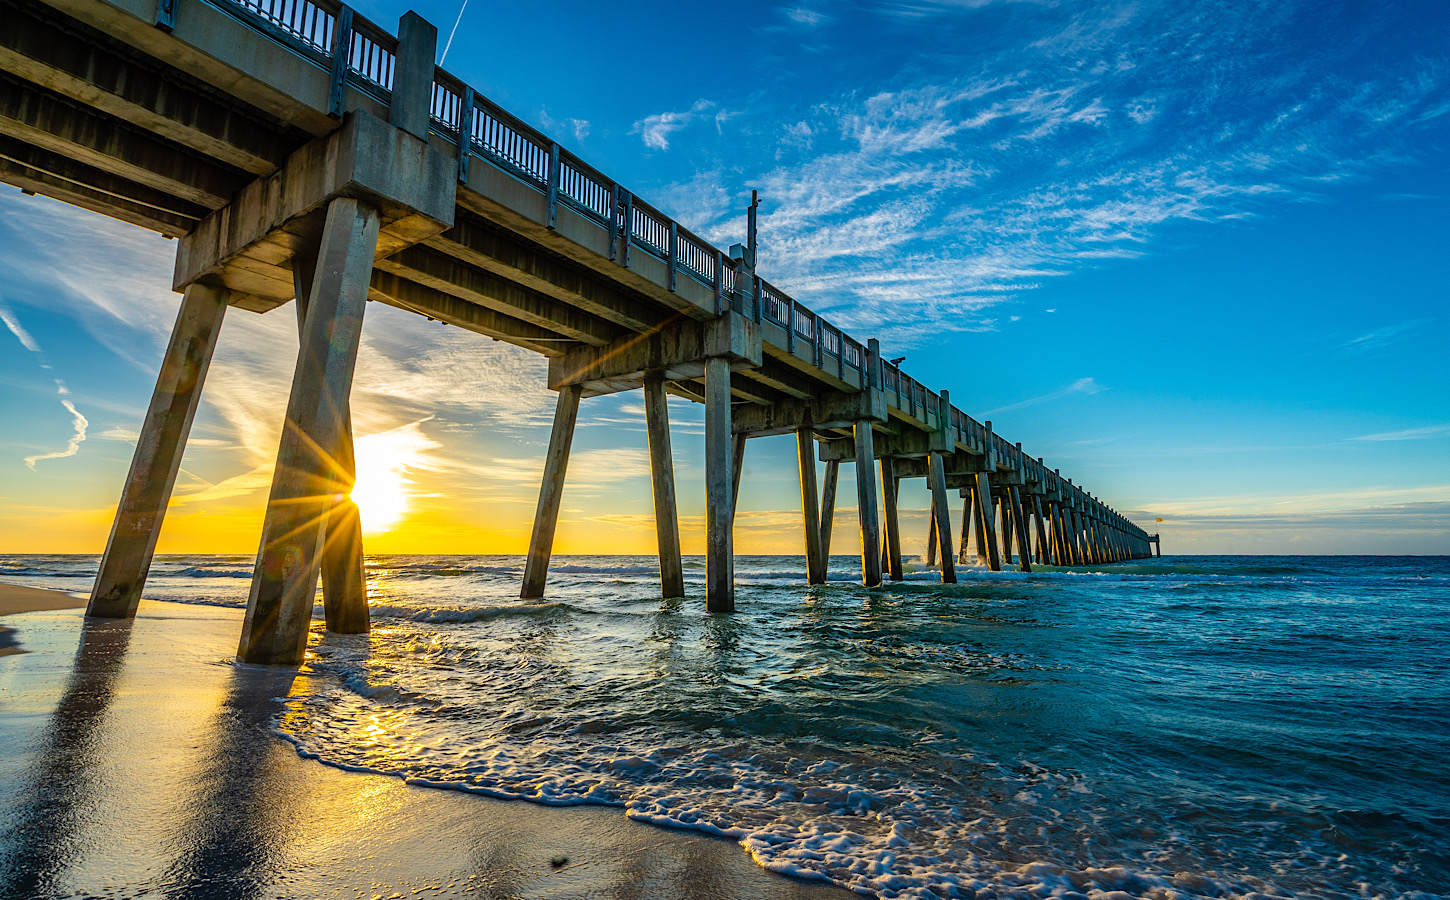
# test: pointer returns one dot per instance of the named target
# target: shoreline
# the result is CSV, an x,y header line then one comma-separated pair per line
x,y
149,765
18,599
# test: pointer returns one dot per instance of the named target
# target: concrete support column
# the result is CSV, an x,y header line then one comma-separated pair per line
x,y
866,504
966,528
719,489
737,468
1019,520
551,492
889,484
159,449
805,441
828,511
1003,504
306,481
662,480
986,534
344,584
941,514
1043,555
931,533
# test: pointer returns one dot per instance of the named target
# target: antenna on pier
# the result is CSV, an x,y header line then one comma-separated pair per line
x,y
750,225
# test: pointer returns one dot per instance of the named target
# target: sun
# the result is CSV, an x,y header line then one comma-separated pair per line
x,y
383,491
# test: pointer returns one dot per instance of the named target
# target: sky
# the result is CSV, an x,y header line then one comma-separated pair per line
x,y
1192,254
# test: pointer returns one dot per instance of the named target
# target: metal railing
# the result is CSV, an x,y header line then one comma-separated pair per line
x,y
312,26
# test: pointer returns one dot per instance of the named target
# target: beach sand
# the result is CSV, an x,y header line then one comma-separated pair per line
x,y
17,599
139,759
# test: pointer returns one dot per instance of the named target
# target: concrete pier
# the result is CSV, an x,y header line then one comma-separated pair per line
x,y
262,145
307,481
662,481
159,448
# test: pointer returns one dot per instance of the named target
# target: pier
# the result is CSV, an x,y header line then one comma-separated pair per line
x,y
300,153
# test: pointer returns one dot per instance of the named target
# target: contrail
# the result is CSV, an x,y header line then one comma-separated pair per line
x,y
453,32
73,445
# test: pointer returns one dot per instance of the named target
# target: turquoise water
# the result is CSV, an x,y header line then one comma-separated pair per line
x,y
1184,727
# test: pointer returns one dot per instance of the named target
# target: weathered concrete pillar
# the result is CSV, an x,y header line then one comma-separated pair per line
x,y
986,533
344,585
866,504
412,93
719,489
306,481
805,440
737,468
1005,509
966,527
828,512
1042,547
662,480
893,567
931,533
941,514
1019,520
159,448
551,492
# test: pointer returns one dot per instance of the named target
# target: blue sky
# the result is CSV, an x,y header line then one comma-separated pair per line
x,y
1193,254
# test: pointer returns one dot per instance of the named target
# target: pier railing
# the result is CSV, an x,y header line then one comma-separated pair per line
x,y
319,30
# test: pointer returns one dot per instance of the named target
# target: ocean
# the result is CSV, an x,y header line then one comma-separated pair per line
x,y
1184,727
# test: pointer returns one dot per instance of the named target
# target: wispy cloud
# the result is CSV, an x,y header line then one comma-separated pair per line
x,y
79,423
1380,337
1081,386
1409,434
655,130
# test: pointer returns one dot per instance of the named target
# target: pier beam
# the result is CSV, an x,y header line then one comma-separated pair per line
x,y
662,480
1007,531
1042,548
889,484
306,482
966,526
551,492
159,448
931,533
344,584
719,489
866,504
941,514
810,509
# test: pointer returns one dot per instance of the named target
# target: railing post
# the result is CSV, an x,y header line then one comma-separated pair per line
x,y
719,282
756,279
465,134
790,327
627,229
552,217
614,192
341,50
411,105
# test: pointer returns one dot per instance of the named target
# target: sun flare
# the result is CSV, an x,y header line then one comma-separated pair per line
x,y
384,492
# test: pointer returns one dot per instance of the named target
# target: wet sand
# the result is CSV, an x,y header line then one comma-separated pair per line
x,y
17,599
139,760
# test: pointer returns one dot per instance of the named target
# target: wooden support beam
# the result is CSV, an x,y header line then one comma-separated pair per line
x,y
162,443
893,567
810,509
719,489
942,515
344,585
551,493
662,480
306,480
866,505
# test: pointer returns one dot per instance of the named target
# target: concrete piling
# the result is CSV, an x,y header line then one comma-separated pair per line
x,y
551,492
159,448
889,485
941,515
307,482
810,508
662,482
866,504
719,488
